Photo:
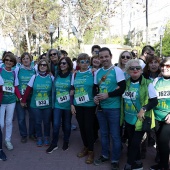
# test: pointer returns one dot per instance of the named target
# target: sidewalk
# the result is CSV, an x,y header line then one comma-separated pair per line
x,y
30,157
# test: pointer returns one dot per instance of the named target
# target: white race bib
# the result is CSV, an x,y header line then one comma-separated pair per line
x,y
42,102
8,89
163,94
129,95
82,99
63,99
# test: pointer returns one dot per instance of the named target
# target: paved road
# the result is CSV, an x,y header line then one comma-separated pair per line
x,y
30,157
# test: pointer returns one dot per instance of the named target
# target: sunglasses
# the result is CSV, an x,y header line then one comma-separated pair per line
x,y
84,61
43,65
135,67
64,63
127,57
165,65
52,54
9,60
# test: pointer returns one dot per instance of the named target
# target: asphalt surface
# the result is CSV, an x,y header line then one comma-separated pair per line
x,y
27,156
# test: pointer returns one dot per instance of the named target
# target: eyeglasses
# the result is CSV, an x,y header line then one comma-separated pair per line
x,y
135,67
9,60
64,63
52,54
165,65
43,65
97,52
127,57
84,61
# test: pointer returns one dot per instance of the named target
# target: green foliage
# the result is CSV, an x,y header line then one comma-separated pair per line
x,y
165,43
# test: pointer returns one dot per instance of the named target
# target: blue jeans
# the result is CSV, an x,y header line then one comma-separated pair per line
x,y
109,122
42,115
64,116
0,138
21,115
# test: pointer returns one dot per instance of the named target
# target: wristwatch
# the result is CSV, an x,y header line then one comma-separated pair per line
x,y
144,108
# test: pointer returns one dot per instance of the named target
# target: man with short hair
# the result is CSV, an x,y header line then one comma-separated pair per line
x,y
147,50
111,83
134,54
95,49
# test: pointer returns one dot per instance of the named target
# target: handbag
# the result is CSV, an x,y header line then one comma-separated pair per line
x,y
146,125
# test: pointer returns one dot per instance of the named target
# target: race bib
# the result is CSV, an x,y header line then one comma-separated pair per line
x,y
129,95
42,103
9,89
82,99
163,94
63,99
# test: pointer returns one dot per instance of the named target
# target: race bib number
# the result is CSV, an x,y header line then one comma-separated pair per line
x,y
129,95
63,99
163,94
22,91
8,89
82,99
42,103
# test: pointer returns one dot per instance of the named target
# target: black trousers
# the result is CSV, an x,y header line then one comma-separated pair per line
x,y
85,117
0,138
134,141
163,138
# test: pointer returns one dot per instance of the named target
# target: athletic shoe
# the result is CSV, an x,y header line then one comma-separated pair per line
x,y
73,127
65,146
9,145
115,166
2,155
100,160
156,167
52,148
46,141
39,142
137,166
32,137
23,139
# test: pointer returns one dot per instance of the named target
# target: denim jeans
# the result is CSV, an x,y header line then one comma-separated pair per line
x,y
42,116
109,122
7,112
21,115
64,116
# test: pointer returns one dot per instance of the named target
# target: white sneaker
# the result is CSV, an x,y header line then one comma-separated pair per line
x,y
9,145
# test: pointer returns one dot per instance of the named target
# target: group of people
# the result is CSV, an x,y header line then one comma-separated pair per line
x,y
112,99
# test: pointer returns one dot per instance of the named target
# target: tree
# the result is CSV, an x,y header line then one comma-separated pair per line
x,y
85,15
165,43
27,18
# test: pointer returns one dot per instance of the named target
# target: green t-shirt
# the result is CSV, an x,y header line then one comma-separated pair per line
x,y
8,87
23,77
42,91
163,92
62,90
83,84
131,109
109,85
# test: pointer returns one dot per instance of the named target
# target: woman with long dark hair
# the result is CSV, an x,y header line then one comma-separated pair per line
x,y
62,108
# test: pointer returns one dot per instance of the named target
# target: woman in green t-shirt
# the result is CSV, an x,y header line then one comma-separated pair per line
x,y
62,109
83,105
